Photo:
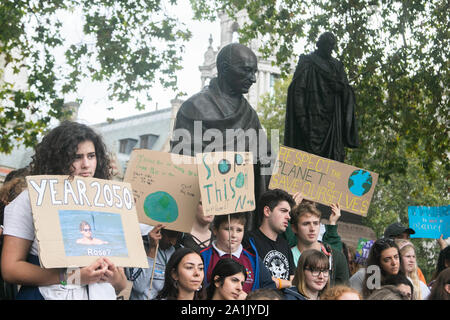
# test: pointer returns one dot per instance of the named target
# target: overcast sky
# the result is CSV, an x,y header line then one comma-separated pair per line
x,y
95,102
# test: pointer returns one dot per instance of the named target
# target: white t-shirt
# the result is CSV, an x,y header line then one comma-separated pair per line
x,y
424,290
18,222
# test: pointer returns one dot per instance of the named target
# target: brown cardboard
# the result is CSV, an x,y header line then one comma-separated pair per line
x,y
59,205
165,188
323,180
226,190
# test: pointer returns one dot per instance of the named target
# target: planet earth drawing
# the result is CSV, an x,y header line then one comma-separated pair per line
x,y
360,182
224,166
238,159
240,180
161,206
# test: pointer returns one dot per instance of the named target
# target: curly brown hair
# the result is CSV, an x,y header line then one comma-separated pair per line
x,y
56,152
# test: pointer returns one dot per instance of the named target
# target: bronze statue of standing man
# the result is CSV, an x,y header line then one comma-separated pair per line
x,y
320,110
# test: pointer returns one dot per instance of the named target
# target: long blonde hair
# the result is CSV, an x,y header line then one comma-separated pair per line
x,y
404,246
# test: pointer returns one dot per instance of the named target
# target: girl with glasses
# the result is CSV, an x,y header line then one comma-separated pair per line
x,y
311,276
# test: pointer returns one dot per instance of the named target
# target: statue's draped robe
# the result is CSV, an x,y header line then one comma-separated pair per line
x,y
216,111
320,110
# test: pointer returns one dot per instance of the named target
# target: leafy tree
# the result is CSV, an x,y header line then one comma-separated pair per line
x,y
396,55
272,108
128,44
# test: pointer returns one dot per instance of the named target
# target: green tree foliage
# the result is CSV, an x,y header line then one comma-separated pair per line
x,y
128,44
396,54
272,108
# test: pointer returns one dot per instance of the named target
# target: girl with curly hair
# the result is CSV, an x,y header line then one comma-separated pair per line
x,y
71,149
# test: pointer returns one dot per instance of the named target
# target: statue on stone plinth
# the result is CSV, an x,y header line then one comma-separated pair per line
x,y
320,110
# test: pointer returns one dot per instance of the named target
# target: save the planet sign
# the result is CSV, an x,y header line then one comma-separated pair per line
x,y
324,180
226,182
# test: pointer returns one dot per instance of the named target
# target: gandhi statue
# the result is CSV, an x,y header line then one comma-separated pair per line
x,y
221,108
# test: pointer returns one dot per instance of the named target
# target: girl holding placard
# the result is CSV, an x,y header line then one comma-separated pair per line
x,y
76,150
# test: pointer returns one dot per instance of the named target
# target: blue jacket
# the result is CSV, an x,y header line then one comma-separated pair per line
x,y
263,277
293,294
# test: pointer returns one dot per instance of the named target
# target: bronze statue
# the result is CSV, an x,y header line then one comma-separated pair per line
x,y
320,110
219,118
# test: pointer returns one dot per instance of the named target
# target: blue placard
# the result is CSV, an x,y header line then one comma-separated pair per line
x,y
429,222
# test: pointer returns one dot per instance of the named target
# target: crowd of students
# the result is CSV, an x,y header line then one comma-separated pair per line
x,y
286,257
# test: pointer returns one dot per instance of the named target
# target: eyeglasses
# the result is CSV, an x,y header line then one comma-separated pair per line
x,y
86,230
316,272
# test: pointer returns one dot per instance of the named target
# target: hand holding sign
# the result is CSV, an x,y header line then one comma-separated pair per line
x,y
323,180
429,222
81,219
335,213
94,272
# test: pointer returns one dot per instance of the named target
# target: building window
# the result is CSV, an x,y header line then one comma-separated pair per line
x,y
148,140
127,145
273,77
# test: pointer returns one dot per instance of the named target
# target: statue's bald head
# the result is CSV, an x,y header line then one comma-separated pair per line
x,y
236,67
231,54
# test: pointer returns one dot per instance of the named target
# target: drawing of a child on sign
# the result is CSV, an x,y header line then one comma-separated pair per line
x,y
88,239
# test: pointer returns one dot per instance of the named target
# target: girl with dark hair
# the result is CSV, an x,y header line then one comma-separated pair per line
x,y
183,276
311,277
443,262
71,149
58,153
441,287
383,260
227,281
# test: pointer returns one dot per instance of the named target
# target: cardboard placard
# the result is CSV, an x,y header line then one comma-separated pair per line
x,y
429,222
226,182
323,180
79,220
165,188
362,250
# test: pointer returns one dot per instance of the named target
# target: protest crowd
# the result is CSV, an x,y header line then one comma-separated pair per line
x,y
276,250
221,259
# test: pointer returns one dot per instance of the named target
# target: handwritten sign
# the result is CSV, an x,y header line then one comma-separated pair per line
x,y
429,222
323,180
226,182
79,220
165,188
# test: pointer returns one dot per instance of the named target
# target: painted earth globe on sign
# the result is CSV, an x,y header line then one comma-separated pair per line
x,y
161,206
360,182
